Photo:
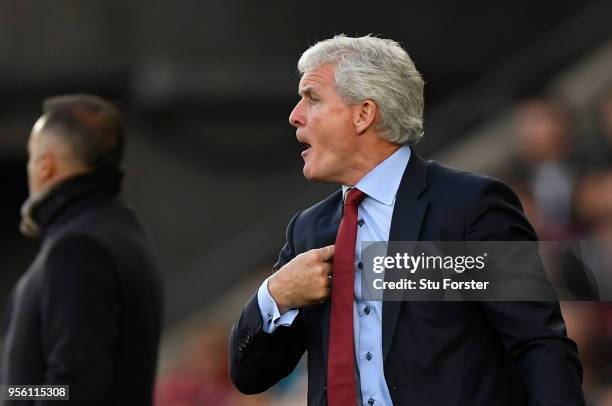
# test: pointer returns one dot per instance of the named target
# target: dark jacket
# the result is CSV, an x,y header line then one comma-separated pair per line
x,y
88,311
435,353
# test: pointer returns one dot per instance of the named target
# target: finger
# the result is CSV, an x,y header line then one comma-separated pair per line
x,y
327,253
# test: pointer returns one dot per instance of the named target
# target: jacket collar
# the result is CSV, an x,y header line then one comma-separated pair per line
x,y
40,212
382,182
408,216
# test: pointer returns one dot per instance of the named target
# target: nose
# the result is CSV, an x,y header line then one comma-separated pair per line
x,y
297,117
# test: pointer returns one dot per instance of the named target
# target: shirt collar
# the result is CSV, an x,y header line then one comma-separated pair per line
x,y
382,182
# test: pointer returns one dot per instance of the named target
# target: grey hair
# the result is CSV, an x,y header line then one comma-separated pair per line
x,y
377,69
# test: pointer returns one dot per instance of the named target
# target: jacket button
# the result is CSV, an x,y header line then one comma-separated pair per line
x,y
394,387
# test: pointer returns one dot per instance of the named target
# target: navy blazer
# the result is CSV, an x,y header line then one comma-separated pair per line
x,y
435,353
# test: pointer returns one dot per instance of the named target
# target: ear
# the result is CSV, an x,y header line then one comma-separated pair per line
x,y
364,115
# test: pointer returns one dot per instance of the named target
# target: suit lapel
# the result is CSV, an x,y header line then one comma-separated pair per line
x,y
408,215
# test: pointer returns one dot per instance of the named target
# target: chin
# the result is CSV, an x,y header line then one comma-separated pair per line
x,y
309,174
314,177
317,173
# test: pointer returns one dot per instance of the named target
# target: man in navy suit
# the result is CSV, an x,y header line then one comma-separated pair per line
x,y
360,112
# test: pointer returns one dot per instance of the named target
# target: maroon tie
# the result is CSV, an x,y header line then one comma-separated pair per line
x,y
341,388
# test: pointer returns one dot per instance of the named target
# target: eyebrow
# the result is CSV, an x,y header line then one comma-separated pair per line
x,y
307,91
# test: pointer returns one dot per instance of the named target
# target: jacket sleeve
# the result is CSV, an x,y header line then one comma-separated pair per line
x,y
533,332
258,360
80,311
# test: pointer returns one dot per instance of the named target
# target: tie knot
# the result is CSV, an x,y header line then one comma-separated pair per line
x,y
354,197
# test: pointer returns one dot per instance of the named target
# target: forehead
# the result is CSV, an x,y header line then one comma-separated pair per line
x,y
36,138
38,126
318,78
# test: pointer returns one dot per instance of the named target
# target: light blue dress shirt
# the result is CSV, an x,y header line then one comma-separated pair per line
x,y
380,186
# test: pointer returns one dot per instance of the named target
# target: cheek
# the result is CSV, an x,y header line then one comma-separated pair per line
x,y
329,126
30,168
338,139
32,182
35,169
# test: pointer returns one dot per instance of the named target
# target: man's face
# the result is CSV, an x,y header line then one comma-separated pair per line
x,y
324,123
38,161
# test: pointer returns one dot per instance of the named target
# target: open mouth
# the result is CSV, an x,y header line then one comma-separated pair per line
x,y
306,148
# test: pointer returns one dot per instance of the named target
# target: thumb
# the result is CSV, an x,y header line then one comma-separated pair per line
x,y
327,253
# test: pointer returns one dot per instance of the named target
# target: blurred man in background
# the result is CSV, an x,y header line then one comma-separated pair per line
x,y
547,162
88,311
360,113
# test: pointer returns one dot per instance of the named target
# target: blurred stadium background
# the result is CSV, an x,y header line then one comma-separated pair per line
x,y
520,90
